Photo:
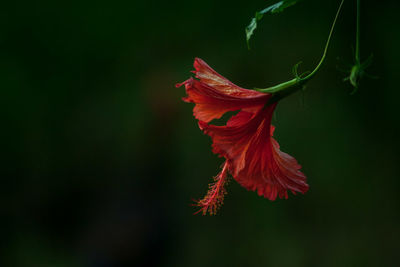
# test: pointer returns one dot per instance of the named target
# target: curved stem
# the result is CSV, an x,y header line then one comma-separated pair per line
x,y
326,45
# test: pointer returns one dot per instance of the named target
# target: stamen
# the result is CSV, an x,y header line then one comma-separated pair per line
x,y
215,195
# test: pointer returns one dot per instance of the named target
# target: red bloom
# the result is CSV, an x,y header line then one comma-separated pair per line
x,y
252,156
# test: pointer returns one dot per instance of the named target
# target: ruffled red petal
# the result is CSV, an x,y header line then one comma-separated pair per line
x,y
254,157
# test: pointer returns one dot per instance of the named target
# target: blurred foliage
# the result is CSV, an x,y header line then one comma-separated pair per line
x,y
102,158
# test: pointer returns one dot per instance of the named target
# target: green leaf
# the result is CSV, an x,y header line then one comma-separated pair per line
x,y
273,9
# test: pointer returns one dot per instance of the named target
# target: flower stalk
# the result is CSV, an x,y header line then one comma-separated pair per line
x,y
358,33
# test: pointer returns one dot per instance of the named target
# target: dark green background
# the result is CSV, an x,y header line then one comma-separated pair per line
x,y
101,158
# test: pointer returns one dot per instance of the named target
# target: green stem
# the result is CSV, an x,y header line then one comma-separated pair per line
x,y
326,45
279,87
282,89
358,33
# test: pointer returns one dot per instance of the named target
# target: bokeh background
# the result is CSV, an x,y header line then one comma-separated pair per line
x,y
101,158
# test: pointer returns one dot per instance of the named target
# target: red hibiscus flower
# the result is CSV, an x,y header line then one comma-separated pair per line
x,y
252,156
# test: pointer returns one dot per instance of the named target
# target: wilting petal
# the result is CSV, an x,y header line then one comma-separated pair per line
x,y
254,158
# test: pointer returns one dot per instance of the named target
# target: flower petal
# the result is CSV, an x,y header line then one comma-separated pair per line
x,y
254,158
214,95
210,77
